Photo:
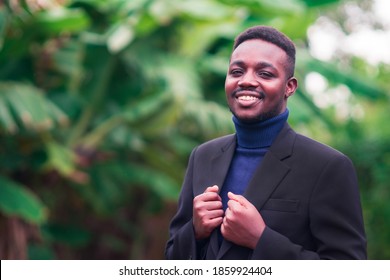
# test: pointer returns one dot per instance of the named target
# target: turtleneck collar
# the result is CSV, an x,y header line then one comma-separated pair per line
x,y
260,134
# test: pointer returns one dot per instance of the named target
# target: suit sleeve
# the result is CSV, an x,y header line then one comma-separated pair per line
x,y
182,243
336,221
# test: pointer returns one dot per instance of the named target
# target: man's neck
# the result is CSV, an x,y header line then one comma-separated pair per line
x,y
260,134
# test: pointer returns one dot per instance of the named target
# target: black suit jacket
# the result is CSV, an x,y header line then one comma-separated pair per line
x,y
306,192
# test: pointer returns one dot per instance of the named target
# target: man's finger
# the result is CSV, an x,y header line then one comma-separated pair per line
x,y
214,188
233,204
239,198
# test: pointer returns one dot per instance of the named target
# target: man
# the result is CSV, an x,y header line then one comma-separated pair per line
x,y
266,192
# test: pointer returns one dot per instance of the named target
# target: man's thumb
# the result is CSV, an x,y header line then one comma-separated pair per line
x,y
212,189
239,198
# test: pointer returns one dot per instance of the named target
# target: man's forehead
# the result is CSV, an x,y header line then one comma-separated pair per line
x,y
257,45
258,52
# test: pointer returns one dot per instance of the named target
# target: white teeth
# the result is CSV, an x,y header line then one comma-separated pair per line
x,y
247,97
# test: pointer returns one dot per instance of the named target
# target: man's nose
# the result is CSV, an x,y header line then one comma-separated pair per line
x,y
248,80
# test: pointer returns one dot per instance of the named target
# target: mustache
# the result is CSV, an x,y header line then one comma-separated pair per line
x,y
258,92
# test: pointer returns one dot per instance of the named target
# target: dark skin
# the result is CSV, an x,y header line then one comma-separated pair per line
x,y
257,87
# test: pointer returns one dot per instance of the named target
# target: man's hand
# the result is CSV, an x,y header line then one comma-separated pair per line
x,y
207,212
242,224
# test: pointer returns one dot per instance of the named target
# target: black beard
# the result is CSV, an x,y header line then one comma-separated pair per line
x,y
261,116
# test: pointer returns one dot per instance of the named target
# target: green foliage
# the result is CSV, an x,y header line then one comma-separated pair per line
x,y
319,2
19,201
52,22
23,107
101,103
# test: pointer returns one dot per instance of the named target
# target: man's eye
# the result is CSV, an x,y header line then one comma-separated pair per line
x,y
265,74
236,72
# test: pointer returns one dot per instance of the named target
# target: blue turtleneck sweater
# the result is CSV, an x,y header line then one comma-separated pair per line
x,y
253,141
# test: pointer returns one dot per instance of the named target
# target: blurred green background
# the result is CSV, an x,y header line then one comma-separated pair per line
x,y
101,103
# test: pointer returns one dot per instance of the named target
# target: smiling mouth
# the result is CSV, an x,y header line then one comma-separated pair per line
x,y
248,101
247,98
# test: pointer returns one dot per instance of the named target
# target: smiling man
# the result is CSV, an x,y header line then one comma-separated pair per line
x,y
259,80
266,192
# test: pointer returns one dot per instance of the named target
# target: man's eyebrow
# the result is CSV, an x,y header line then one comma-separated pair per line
x,y
265,65
237,63
261,65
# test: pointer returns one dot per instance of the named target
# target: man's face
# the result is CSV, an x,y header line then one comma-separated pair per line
x,y
256,85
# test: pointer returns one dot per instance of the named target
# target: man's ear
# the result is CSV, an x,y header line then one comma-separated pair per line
x,y
291,86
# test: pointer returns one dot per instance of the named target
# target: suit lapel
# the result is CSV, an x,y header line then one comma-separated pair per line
x,y
219,166
268,175
213,164
220,163
272,170
265,180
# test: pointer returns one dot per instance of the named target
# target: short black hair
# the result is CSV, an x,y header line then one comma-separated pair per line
x,y
273,36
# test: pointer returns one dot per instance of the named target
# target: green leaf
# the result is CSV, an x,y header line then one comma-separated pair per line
x,y
206,118
131,173
16,199
358,84
268,8
62,20
60,158
69,58
6,119
315,3
158,182
40,252
68,234
3,25
204,9
119,38
26,105
145,108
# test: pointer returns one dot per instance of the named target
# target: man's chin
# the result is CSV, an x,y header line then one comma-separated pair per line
x,y
248,119
245,118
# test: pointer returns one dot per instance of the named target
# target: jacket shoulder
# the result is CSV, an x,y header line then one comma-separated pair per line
x,y
217,144
298,146
315,147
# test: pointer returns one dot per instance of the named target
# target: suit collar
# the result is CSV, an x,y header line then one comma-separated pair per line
x,y
221,159
284,143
